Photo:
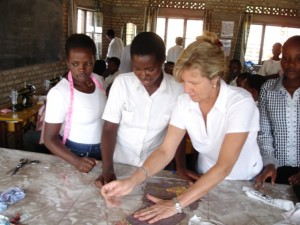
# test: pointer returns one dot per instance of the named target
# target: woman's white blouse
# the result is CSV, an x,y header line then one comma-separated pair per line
x,y
234,112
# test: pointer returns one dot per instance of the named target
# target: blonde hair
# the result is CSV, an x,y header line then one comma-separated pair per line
x,y
204,54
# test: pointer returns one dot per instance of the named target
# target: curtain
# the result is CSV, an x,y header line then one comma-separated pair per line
x,y
150,18
207,20
72,17
242,37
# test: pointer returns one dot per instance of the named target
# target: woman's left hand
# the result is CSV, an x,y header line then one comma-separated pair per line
x,y
161,210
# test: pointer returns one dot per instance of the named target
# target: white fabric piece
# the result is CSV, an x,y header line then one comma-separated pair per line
x,y
197,220
280,203
292,217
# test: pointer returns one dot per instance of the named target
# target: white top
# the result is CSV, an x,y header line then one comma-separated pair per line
x,y
125,66
270,67
110,78
142,119
115,48
234,111
173,53
86,123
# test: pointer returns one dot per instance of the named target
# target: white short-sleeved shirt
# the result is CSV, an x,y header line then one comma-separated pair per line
x,y
142,119
86,123
173,53
115,48
234,111
270,67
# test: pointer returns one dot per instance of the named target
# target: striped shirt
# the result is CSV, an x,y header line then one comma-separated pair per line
x,y
279,135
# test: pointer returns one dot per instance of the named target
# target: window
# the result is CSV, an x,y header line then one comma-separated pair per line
x,y
170,28
90,23
261,39
130,33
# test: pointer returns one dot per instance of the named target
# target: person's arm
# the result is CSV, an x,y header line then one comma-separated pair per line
x,y
55,145
108,142
153,164
265,141
229,153
112,117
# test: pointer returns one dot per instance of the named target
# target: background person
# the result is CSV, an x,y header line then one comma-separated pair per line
x,y
100,68
234,70
242,78
74,108
113,71
253,84
115,47
272,66
222,122
175,51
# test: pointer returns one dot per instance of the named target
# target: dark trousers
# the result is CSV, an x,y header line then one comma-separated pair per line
x,y
283,174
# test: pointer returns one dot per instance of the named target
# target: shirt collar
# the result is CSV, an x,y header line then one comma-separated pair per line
x,y
164,85
277,85
220,103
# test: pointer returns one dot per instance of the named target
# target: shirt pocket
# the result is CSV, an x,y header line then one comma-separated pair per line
x,y
127,118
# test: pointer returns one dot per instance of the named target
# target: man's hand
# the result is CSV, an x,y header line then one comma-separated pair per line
x,y
268,171
295,179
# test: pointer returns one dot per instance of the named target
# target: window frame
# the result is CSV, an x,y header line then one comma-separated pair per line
x,y
272,20
94,32
185,19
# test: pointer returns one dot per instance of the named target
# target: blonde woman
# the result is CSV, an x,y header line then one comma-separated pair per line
x,y
222,122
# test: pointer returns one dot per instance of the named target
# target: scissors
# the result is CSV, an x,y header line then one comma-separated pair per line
x,y
22,163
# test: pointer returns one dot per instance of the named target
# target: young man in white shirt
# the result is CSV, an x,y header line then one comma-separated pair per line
x,y
113,69
175,51
272,66
115,47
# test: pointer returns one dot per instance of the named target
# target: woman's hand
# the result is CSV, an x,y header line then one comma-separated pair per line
x,y
85,164
117,188
268,171
188,175
295,179
161,210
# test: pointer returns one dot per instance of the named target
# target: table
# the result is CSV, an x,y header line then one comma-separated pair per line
x,y
14,122
57,194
